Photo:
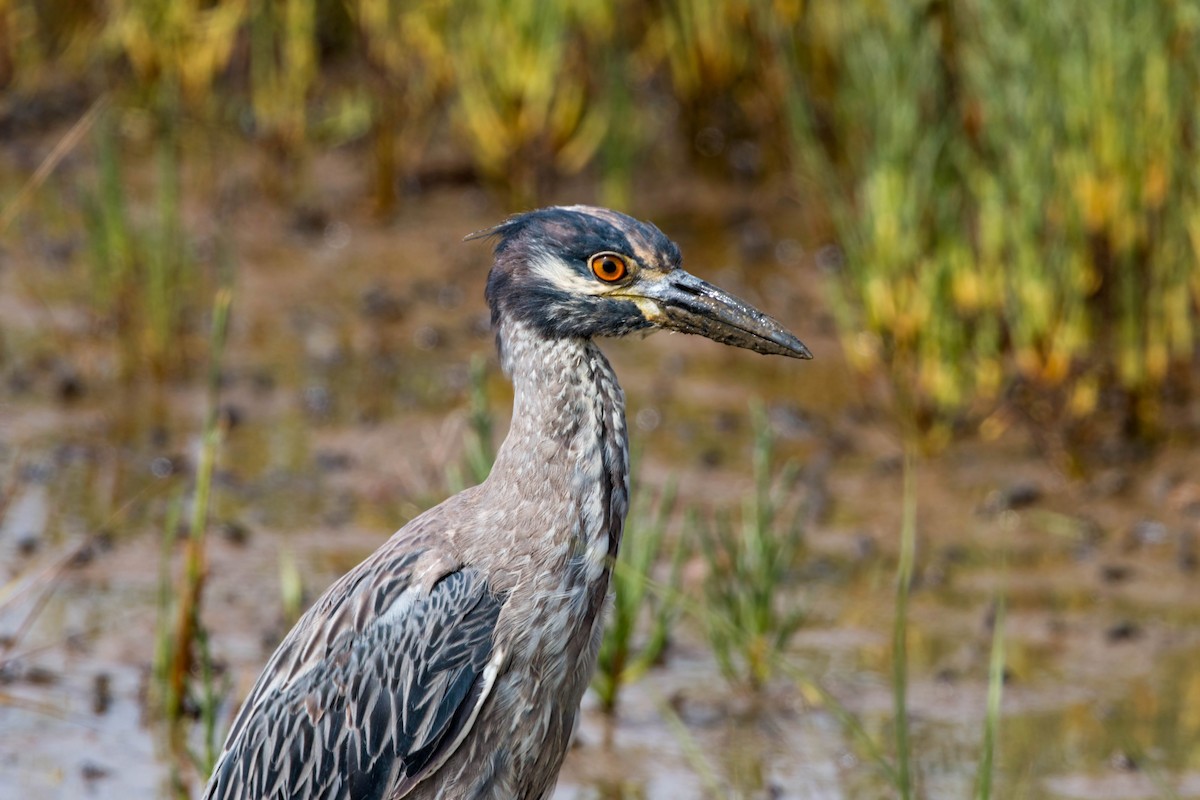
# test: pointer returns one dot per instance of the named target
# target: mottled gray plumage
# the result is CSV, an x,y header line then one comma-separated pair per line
x,y
451,663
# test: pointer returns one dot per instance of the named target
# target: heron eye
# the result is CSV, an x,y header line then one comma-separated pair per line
x,y
609,267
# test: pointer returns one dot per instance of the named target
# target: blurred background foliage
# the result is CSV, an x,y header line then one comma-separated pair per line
x,y
1011,185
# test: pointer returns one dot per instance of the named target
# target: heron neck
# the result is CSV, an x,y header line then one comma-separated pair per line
x,y
567,449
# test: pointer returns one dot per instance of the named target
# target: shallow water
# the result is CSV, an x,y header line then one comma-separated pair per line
x,y
345,383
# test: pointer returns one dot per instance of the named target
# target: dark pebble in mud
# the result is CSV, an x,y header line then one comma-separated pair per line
x,y
101,693
480,326
234,532
310,220
1116,573
33,112
68,385
91,771
40,471
1186,557
1019,495
37,675
19,381
956,554
380,303
190,708
84,554
159,436
70,453
78,643
450,296
28,543
263,380
1123,631
230,416
334,460
102,540
726,422
887,465
427,337
865,546
754,240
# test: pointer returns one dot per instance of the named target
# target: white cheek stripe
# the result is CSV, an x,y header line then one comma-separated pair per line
x,y
559,274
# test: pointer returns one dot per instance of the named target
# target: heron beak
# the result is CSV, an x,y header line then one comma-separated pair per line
x,y
683,302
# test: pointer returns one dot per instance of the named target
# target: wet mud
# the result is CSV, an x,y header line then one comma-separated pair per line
x,y
344,390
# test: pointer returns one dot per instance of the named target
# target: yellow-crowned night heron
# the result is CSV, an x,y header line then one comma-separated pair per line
x,y
451,663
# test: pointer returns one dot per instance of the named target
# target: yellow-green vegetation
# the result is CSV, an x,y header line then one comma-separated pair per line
x,y
283,67
142,278
1012,186
904,578
408,63
525,77
183,670
479,449
627,651
747,611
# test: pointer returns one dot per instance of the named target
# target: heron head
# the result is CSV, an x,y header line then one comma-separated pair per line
x,y
581,271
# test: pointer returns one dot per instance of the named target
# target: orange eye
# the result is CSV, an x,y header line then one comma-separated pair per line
x,y
609,267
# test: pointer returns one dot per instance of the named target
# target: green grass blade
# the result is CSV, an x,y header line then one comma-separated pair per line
x,y
991,724
904,572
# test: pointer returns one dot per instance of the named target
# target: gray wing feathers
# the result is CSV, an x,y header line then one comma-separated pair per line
x,y
379,709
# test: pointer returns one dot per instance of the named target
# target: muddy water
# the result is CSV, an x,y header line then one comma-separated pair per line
x,y
345,385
